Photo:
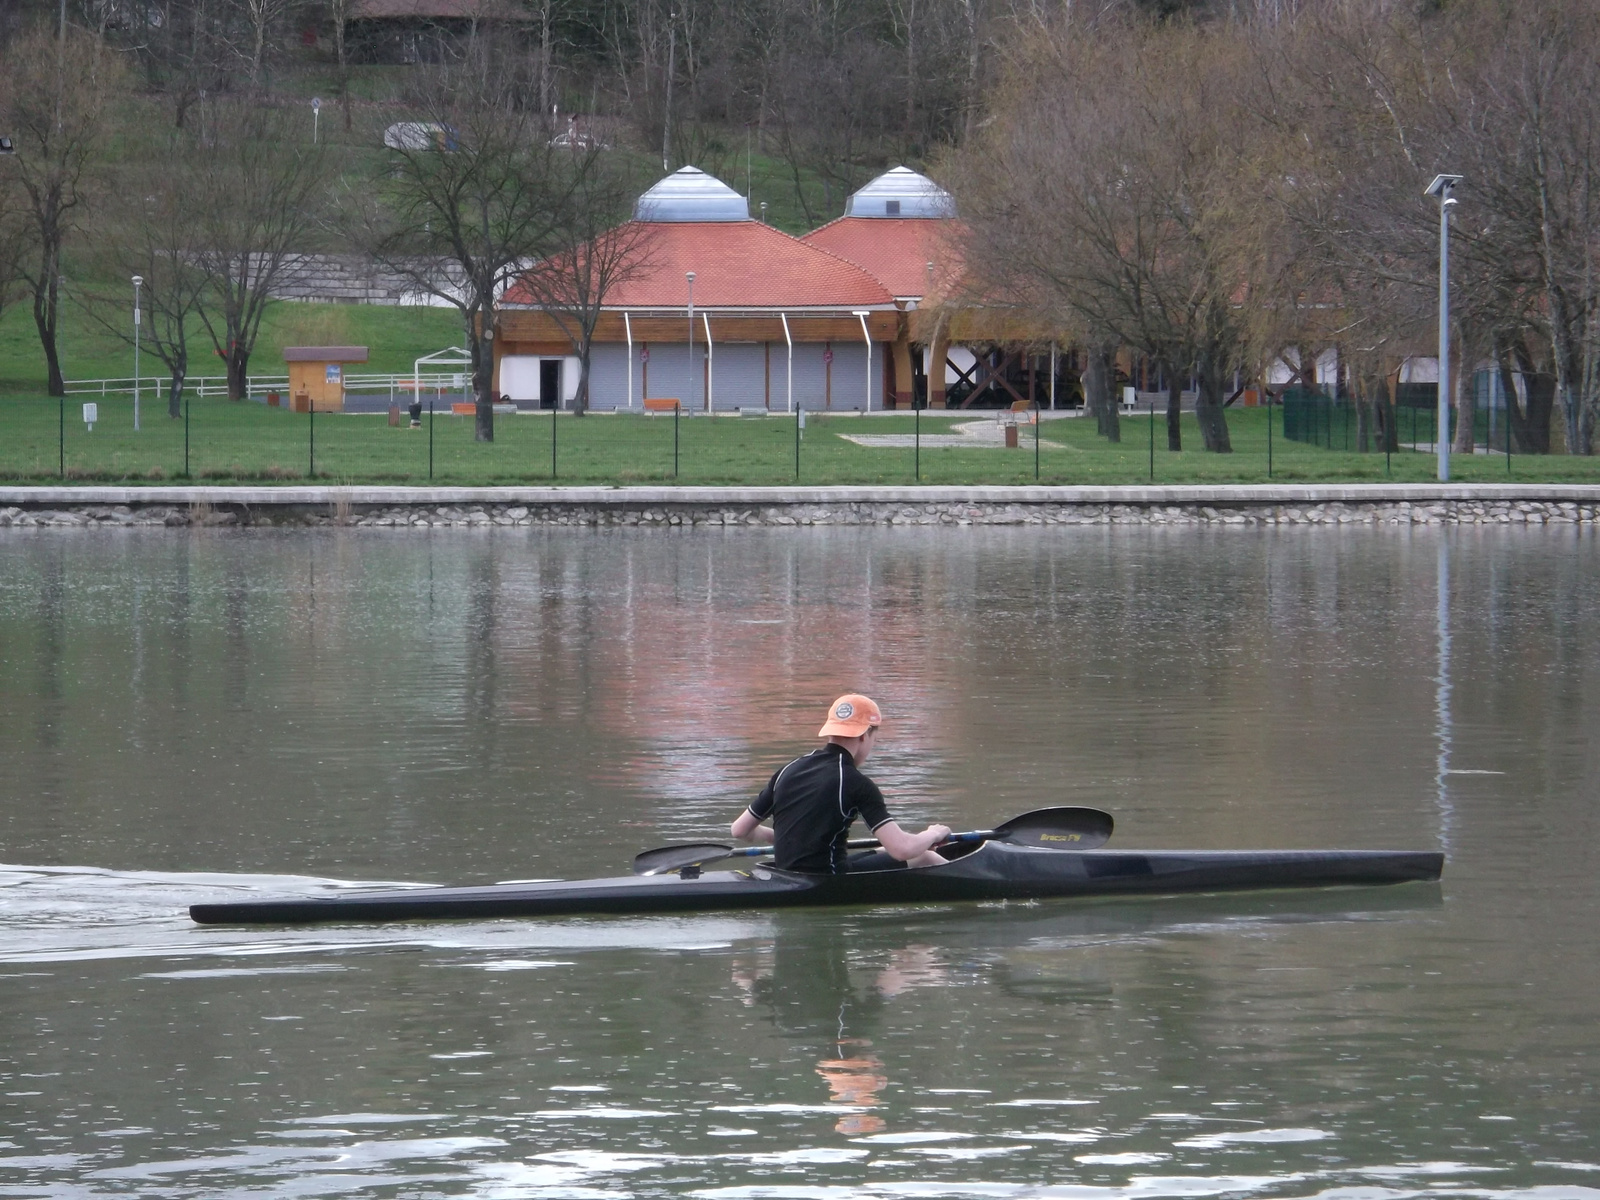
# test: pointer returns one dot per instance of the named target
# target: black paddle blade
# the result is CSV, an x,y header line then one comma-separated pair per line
x,y
1057,829
675,858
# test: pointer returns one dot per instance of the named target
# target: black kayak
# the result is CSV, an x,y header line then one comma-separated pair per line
x,y
990,871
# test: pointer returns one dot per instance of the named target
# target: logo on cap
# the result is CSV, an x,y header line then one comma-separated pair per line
x,y
845,711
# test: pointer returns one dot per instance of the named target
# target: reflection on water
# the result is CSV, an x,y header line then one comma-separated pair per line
x,y
186,716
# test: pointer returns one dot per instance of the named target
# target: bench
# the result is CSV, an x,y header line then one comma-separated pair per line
x,y
655,404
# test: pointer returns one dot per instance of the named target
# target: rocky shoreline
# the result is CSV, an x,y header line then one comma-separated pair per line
x,y
1398,505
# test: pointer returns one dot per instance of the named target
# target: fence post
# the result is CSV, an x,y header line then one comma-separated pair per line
x,y
1152,441
61,435
553,412
1267,396
430,438
186,435
916,424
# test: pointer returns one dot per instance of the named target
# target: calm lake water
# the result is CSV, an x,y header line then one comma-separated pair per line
x,y
189,715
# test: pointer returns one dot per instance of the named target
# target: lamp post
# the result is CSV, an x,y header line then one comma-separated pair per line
x,y
1442,189
138,282
316,118
689,275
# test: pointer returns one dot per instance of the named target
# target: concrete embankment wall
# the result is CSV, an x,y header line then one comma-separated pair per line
x,y
1287,504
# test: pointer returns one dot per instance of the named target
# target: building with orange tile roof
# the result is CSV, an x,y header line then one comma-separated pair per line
x,y
724,313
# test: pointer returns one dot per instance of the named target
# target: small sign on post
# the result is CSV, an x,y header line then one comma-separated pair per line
x,y
91,414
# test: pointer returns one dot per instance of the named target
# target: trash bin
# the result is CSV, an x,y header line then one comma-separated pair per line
x,y
394,414
1011,437
415,412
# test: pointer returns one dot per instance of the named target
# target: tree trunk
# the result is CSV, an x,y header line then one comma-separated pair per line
x,y
1364,412
238,373
1174,411
1465,435
175,392
1529,423
1208,410
46,310
1097,393
482,346
580,399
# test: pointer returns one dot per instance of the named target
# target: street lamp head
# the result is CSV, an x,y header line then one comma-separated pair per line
x,y
1441,186
137,280
689,275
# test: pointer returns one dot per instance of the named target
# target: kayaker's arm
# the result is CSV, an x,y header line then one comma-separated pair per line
x,y
749,828
914,849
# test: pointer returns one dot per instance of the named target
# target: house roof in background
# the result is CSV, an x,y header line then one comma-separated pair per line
x,y
689,194
737,264
901,192
436,10
326,354
896,251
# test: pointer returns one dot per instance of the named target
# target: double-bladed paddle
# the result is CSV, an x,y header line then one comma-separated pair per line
x,y
1044,828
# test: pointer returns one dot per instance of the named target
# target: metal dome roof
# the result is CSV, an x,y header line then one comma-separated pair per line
x,y
689,194
901,192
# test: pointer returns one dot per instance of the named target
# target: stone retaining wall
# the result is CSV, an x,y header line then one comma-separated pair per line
x,y
625,511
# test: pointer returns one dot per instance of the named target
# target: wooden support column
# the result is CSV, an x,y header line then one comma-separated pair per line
x,y
903,386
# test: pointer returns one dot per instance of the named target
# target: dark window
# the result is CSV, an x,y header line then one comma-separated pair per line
x,y
891,208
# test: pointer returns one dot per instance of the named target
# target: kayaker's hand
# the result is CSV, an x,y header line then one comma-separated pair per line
x,y
941,834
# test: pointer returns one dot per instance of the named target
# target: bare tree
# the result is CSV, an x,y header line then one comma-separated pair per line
x,y
152,235
257,193
464,211
13,238
262,18
1114,192
53,94
598,251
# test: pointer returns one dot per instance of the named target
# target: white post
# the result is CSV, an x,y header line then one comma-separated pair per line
x,y
1442,188
711,365
627,327
137,283
866,337
689,275
789,342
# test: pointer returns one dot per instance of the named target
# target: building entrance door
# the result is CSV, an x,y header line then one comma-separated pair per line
x,y
550,383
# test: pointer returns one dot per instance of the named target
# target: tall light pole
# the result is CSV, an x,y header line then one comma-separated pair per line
x,y
138,281
1442,189
689,275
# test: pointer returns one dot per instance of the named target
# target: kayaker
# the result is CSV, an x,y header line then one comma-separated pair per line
x,y
814,799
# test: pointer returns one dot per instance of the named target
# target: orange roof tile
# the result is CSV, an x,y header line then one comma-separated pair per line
x,y
896,251
738,264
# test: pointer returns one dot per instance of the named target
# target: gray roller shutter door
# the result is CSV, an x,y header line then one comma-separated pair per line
x,y
737,380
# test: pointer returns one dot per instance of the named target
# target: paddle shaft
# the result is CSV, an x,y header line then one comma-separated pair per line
x,y
1052,828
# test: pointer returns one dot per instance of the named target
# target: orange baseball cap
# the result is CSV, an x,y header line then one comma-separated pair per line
x,y
850,716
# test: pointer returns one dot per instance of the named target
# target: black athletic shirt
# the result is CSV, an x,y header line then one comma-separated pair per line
x,y
812,802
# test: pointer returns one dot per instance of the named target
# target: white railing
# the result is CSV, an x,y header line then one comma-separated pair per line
x,y
259,385
199,385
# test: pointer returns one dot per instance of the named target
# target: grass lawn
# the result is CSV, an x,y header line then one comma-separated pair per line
x,y
395,338
249,442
